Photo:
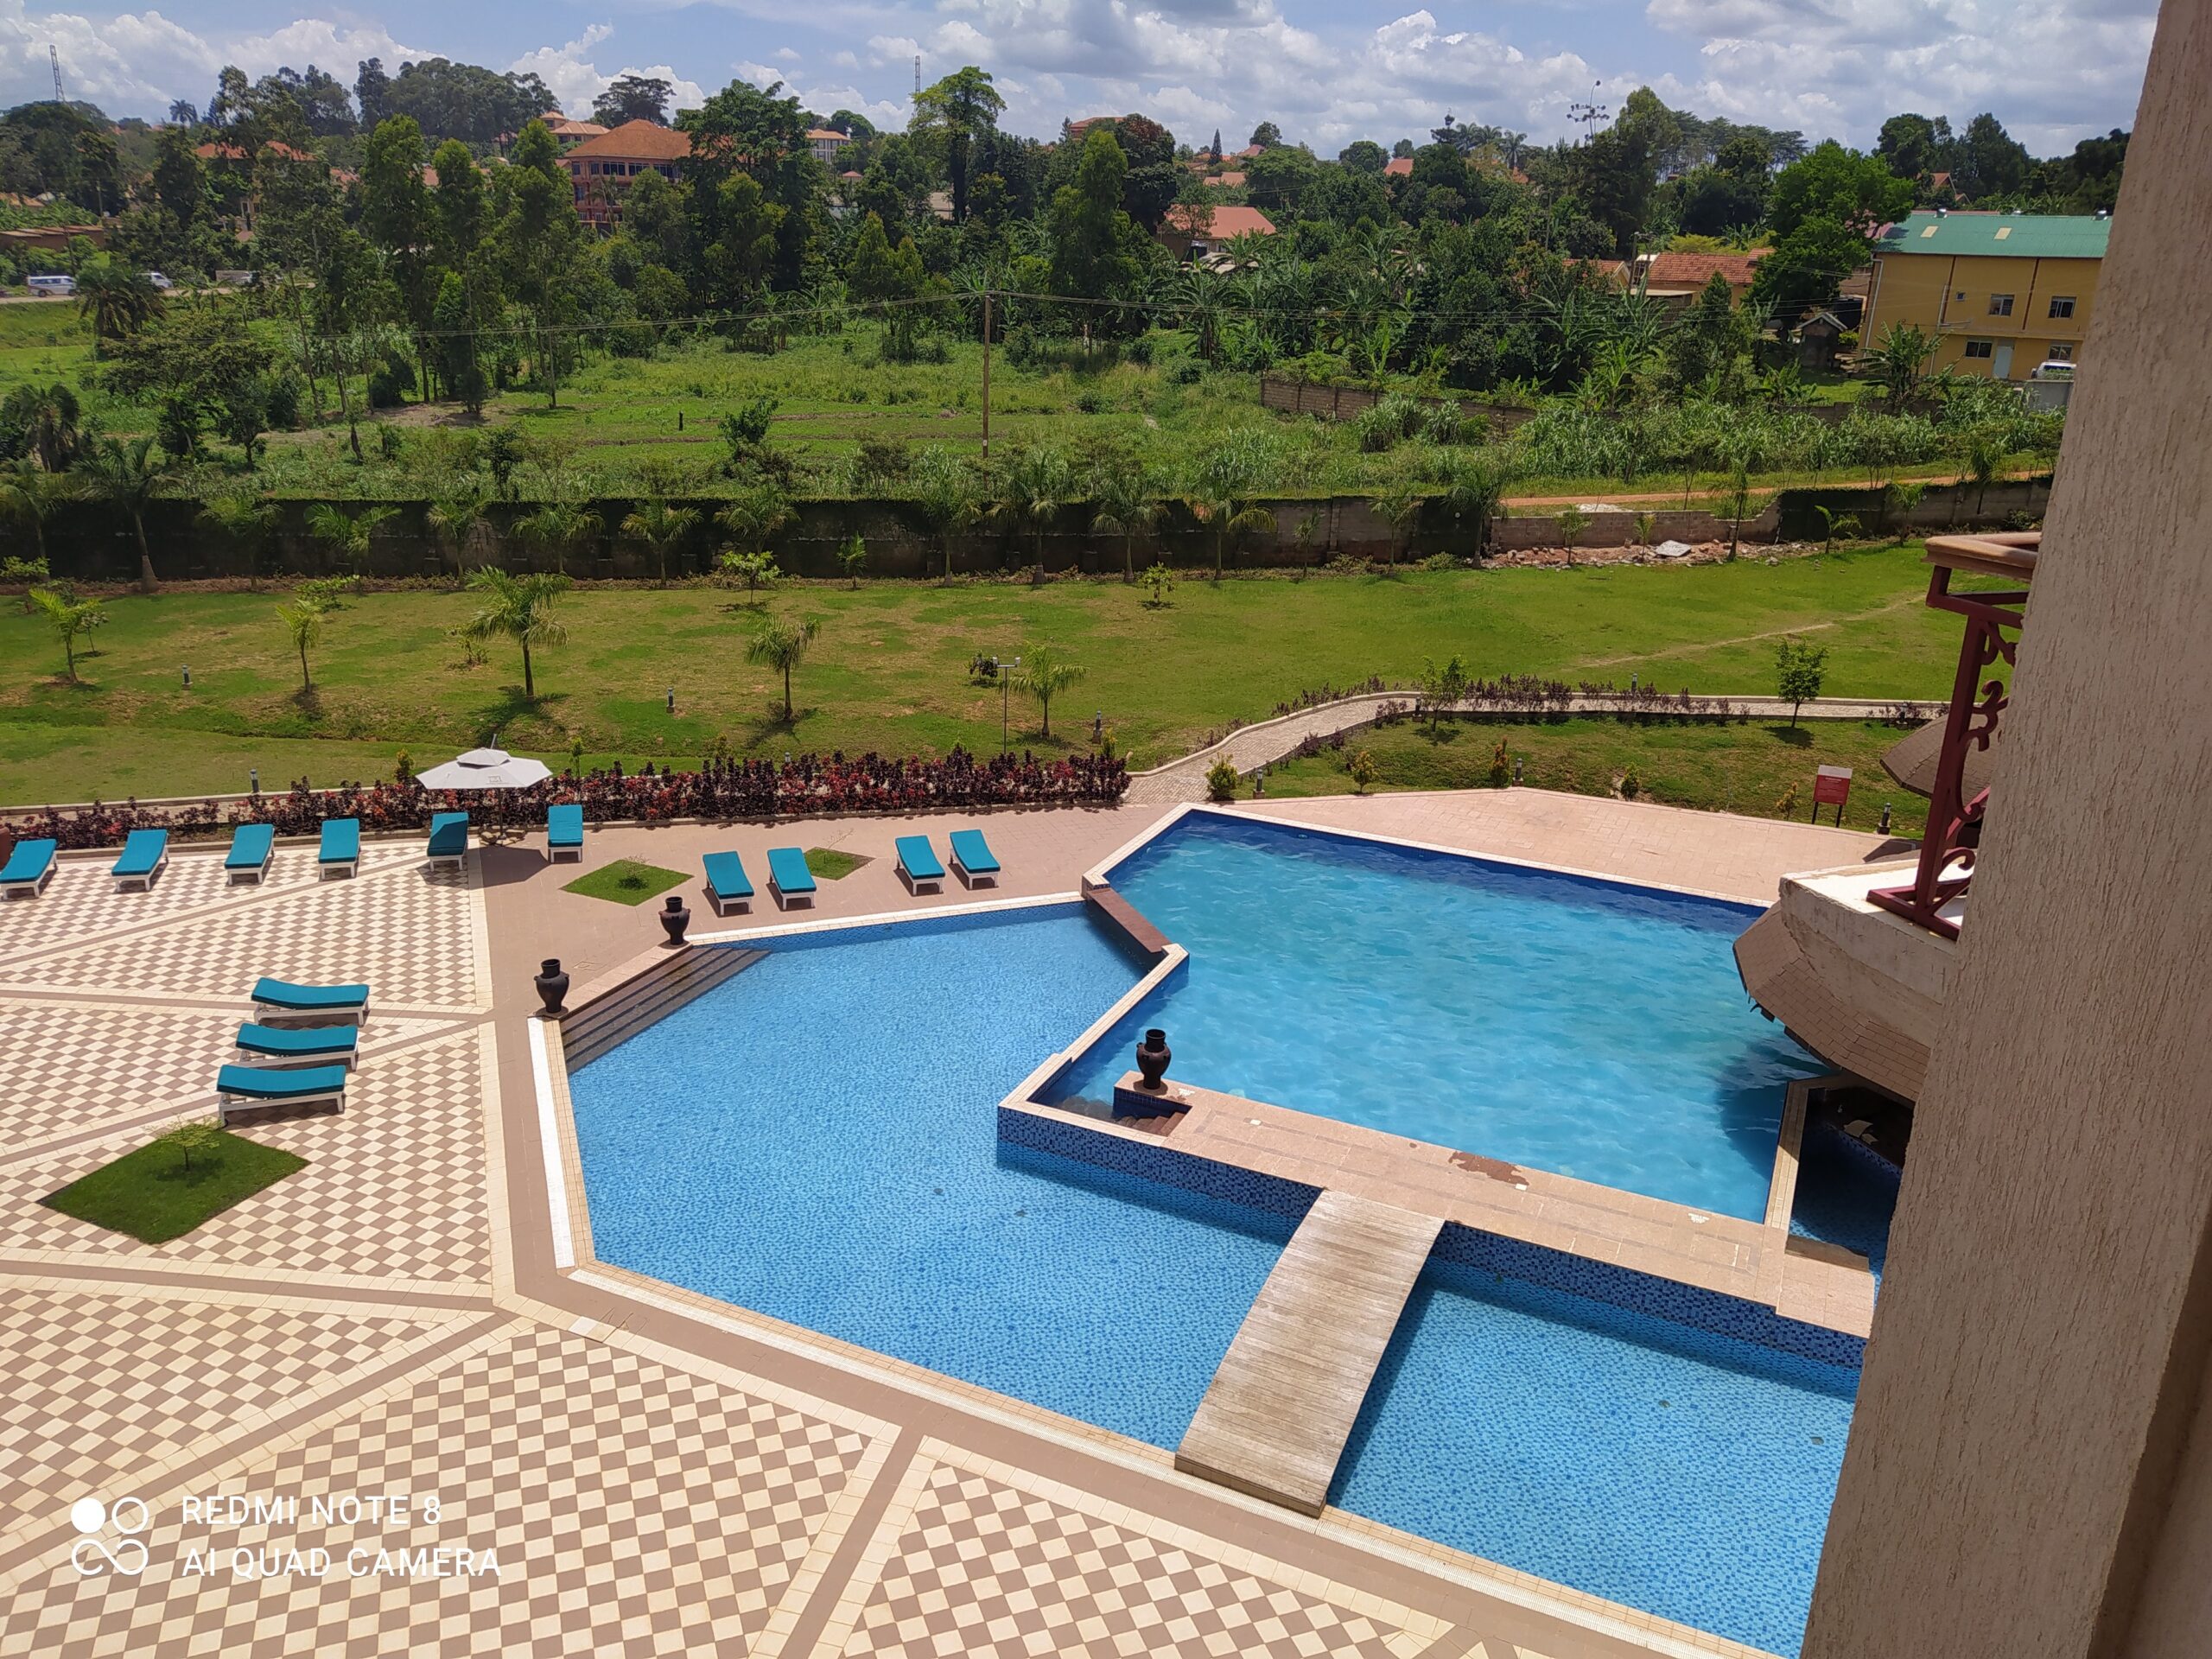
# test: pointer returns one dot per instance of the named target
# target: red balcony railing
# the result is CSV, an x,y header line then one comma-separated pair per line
x,y
1993,621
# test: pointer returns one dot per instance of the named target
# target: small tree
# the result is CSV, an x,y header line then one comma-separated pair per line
x,y
1221,780
1833,525
1647,526
1046,670
660,527
1441,688
1739,503
247,520
462,521
559,528
126,474
1362,770
347,535
1571,522
1159,581
1798,669
30,572
29,495
200,1135
1222,498
757,568
1985,455
852,558
70,618
1401,506
1030,494
781,645
521,608
1125,503
303,622
1905,497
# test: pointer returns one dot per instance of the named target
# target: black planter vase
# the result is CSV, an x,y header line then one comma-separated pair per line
x,y
552,985
1153,1055
675,918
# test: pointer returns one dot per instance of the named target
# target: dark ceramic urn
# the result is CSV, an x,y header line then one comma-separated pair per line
x,y
675,918
1153,1055
552,985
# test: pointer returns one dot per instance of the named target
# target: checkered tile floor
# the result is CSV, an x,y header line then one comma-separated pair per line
x,y
80,903
101,1384
982,1569
408,932
394,1185
68,1067
633,1509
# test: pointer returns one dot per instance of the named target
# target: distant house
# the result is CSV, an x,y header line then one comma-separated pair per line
x,y
1193,233
239,153
1819,338
601,168
1398,167
571,133
2001,293
825,142
1682,277
1227,180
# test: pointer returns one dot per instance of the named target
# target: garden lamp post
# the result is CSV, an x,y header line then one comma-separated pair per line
x,y
187,677
1006,690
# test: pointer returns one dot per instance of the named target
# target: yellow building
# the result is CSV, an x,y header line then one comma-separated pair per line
x,y
2001,293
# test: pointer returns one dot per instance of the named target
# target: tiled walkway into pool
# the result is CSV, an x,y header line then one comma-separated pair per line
x,y
656,1474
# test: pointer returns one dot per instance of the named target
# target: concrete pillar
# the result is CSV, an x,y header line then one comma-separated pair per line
x,y
2029,1473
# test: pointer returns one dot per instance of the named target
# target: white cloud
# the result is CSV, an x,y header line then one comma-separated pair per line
x,y
785,55
845,60
575,80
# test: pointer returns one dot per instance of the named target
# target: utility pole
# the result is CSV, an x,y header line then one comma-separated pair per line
x,y
987,375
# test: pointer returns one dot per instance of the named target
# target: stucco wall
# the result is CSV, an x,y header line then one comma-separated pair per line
x,y
2037,1357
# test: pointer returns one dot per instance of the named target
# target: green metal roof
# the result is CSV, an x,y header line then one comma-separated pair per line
x,y
2021,236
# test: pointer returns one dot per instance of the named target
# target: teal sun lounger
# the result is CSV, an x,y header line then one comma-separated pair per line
x,y
29,867
789,879
972,858
286,1045
449,842
279,1002
564,832
918,865
145,855
728,888
253,845
341,852
237,1087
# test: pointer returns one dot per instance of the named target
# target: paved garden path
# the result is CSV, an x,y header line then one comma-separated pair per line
x,y
1250,747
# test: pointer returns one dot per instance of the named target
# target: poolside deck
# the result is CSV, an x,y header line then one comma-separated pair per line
x,y
1275,1417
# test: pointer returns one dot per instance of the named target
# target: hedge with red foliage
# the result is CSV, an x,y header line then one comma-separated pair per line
x,y
808,784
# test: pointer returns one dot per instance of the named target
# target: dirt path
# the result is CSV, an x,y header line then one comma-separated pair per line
x,y
1908,602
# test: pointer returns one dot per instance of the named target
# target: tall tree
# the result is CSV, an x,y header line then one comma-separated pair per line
x,y
180,180
125,472
957,110
396,217
117,302
521,609
632,98
1990,161
1824,211
373,91
541,243
1095,244
743,129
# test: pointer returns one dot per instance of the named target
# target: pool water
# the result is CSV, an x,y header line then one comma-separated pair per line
x,y
1581,1027
1845,1195
817,1139
1685,1473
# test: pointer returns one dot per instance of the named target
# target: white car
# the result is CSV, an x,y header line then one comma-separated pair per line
x,y
159,280
52,287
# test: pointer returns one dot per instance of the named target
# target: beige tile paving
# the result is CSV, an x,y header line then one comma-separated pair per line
x,y
394,1185
106,1385
409,933
979,1559
631,1508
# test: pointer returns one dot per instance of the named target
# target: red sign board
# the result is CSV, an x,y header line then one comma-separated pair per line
x,y
1832,786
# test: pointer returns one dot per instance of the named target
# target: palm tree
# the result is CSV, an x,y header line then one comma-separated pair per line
x,y
346,534
68,617
521,608
1401,506
1222,498
1898,360
125,472
1474,489
1739,501
462,520
247,521
1032,492
559,527
660,527
1985,455
47,417
1045,672
117,302
1571,522
947,497
304,622
781,645
1126,500
29,495
754,515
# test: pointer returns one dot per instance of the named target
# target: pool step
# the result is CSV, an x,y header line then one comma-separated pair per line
x,y
669,981
1276,1416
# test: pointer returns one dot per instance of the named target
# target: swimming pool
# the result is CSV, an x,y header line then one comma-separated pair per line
x,y
1587,1027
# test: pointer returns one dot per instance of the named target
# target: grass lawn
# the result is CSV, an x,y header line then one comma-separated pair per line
x,y
830,865
626,881
1747,767
151,1194
889,671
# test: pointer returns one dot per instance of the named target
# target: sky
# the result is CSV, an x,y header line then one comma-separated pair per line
x,y
1325,71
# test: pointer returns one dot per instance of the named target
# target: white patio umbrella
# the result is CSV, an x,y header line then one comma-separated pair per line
x,y
485,769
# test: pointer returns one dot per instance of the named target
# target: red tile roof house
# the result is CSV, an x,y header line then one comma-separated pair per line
x,y
1191,233
1675,276
602,168
1398,167
571,133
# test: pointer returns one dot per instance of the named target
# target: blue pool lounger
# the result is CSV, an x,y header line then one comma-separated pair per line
x,y
564,832
29,867
789,879
251,846
279,1000
341,852
918,863
287,1045
973,859
145,854
449,839
728,888
240,1086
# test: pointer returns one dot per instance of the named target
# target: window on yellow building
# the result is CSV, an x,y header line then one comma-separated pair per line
x,y
2000,305
1980,348
2062,305
2061,351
